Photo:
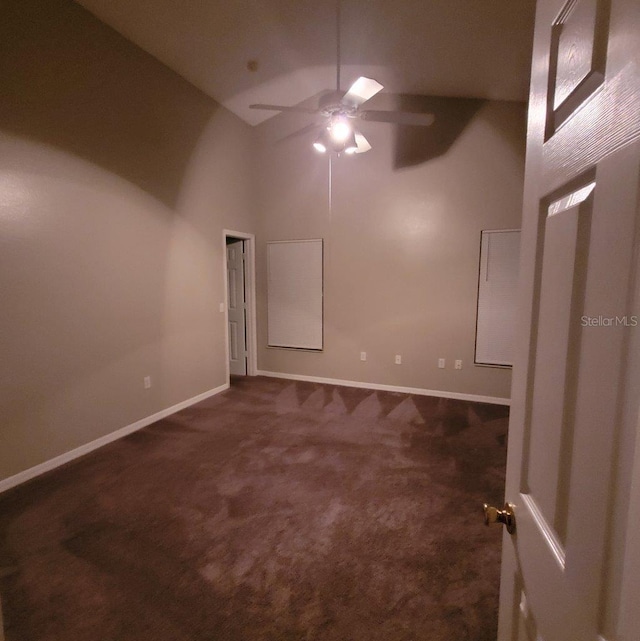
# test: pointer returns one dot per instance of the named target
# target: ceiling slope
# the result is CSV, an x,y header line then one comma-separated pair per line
x,y
456,48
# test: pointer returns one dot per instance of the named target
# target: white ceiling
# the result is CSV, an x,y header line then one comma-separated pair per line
x,y
456,48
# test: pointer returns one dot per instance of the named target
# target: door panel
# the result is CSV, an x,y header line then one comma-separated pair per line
x,y
233,342
560,278
578,53
573,402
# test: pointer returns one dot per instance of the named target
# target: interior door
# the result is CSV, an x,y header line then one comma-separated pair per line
x,y
575,389
236,306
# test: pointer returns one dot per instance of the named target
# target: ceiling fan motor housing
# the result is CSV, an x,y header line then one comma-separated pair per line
x,y
331,104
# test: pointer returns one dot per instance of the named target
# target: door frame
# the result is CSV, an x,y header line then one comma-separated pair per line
x,y
250,299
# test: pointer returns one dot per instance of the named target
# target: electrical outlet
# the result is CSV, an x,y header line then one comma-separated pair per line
x,y
222,307
458,365
441,363
398,359
147,382
363,356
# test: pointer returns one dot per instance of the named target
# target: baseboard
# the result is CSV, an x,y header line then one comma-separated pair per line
x,y
496,400
51,464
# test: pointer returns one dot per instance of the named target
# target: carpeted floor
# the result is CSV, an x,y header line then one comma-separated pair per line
x,y
276,511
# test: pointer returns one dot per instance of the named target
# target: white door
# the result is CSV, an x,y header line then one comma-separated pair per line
x,y
236,306
576,378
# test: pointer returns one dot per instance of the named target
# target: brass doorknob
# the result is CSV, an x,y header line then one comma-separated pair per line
x,y
505,517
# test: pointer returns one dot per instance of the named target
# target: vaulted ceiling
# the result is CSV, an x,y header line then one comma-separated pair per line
x,y
455,48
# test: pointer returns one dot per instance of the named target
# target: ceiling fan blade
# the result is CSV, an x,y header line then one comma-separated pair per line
x,y
300,132
361,90
303,110
362,143
398,117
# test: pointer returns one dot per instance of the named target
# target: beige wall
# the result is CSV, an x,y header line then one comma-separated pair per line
x,y
402,241
117,178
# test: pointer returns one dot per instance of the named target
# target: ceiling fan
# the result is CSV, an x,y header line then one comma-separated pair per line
x,y
339,110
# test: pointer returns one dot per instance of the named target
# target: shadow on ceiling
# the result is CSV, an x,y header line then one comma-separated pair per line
x,y
412,145
417,145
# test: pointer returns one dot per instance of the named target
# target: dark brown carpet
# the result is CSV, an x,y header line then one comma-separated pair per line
x,y
274,511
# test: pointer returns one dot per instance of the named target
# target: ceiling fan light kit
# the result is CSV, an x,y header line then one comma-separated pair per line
x,y
341,137
320,145
350,144
339,128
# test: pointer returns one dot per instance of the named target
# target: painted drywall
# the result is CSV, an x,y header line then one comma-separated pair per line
x,y
117,178
402,227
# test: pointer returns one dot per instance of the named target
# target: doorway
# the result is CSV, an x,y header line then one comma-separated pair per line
x,y
240,323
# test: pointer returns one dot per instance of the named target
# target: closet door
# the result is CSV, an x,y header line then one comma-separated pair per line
x,y
294,293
